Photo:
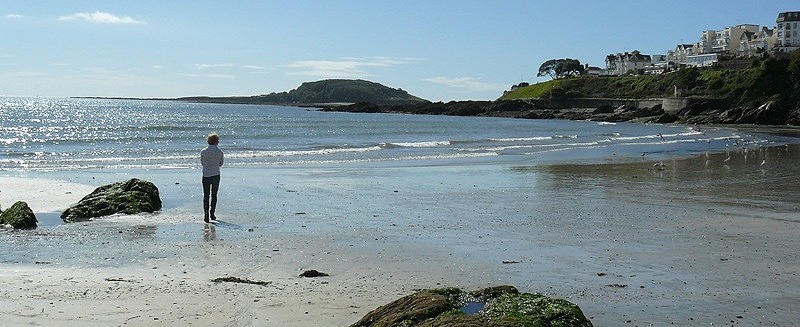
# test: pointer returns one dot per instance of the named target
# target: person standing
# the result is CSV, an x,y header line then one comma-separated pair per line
x,y
211,158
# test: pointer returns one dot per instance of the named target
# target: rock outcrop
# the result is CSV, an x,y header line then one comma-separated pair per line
x,y
495,306
19,216
129,197
772,111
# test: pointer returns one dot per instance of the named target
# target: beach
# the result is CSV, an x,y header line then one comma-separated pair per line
x,y
705,239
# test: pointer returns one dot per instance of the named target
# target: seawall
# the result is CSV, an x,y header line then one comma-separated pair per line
x,y
670,105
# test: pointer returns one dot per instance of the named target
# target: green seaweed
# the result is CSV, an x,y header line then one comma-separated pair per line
x,y
19,216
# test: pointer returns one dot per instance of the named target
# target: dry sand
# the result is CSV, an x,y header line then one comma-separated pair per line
x,y
707,240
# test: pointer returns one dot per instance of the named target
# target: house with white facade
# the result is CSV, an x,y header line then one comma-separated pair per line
x,y
743,40
726,41
788,31
623,63
680,53
750,44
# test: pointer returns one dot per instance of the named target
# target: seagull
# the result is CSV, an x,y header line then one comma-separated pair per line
x,y
763,162
727,159
659,165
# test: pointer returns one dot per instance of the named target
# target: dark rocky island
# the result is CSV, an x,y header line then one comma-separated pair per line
x,y
336,91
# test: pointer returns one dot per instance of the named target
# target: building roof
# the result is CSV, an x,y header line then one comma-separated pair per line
x,y
788,16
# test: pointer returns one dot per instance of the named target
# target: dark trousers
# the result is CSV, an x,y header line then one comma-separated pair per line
x,y
210,187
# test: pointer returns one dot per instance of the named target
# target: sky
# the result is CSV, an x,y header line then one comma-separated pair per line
x,y
440,50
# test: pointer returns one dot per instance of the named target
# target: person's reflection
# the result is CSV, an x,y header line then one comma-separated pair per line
x,y
209,232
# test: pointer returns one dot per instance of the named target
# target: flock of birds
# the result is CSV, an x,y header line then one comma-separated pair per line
x,y
743,145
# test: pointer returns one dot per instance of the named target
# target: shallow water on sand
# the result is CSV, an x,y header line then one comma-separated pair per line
x,y
705,239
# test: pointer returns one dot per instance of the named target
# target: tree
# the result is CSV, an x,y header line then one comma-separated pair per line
x,y
570,67
559,68
794,68
548,68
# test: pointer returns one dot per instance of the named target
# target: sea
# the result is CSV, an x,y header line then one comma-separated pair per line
x,y
66,134
627,220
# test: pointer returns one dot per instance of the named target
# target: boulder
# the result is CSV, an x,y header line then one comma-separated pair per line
x,y
19,216
666,118
495,306
604,109
129,197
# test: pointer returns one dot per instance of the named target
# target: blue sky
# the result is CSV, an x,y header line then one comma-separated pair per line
x,y
439,50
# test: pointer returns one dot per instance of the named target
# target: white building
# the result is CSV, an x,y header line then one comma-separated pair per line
x,y
751,44
702,60
623,63
725,41
788,31
680,53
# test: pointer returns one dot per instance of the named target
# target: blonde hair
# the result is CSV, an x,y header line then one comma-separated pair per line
x,y
212,139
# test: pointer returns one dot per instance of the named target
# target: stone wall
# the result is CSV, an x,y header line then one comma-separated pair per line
x,y
575,103
674,105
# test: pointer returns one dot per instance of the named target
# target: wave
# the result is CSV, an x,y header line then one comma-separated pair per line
x,y
290,153
656,136
427,144
534,138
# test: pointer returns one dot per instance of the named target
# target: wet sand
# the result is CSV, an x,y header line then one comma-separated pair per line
x,y
710,239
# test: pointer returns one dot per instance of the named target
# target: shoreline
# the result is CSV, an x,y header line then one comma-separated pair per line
x,y
517,108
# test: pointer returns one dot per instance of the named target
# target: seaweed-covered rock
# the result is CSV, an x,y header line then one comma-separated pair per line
x,y
129,197
19,216
496,306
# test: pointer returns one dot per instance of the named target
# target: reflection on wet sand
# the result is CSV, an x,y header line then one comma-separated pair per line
x,y
766,177
209,232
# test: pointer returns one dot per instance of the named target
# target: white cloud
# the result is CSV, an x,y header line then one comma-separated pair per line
x,y
221,76
14,16
207,66
345,67
254,67
101,18
467,83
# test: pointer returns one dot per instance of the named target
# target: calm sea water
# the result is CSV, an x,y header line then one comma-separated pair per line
x,y
60,134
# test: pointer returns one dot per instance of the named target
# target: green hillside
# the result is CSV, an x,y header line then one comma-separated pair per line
x,y
761,77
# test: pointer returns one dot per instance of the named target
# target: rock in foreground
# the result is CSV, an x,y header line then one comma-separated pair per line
x,y
19,216
496,306
129,197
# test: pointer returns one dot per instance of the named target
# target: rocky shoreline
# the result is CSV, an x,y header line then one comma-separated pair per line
x,y
700,111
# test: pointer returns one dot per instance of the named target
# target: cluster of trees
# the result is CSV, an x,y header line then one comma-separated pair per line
x,y
559,68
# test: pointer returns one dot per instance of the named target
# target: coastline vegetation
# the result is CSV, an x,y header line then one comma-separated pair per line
x,y
765,76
